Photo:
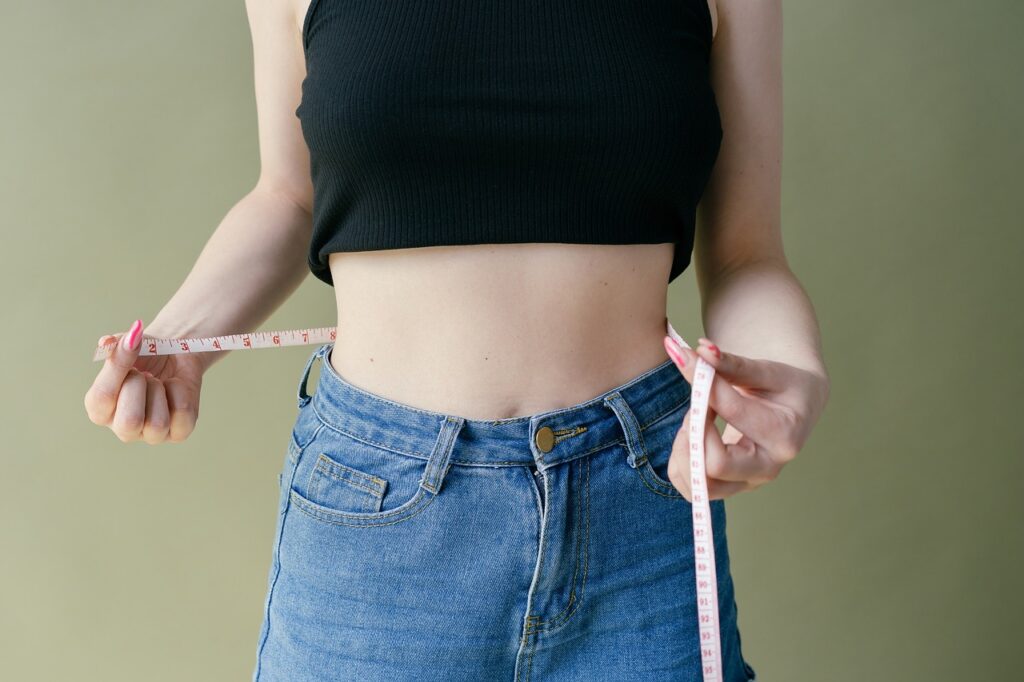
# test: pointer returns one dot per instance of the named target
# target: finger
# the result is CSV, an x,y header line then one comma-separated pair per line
x,y
130,414
719,490
679,460
753,373
719,462
182,409
679,471
751,414
158,418
101,398
741,462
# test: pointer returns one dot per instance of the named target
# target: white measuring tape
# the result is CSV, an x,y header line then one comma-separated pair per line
x,y
700,391
293,337
703,539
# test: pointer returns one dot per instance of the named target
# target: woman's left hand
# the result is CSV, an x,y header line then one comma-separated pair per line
x,y
769,408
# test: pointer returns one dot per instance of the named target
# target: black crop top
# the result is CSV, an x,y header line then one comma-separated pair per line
x,y
440,122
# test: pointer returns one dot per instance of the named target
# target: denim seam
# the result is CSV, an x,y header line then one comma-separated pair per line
x,y
530,640
598,448
330,468
277,552
302,446
365,441
563,434
313,485
533,650
556,623
576,569
528,630
642,471
583,550
414,506
655,420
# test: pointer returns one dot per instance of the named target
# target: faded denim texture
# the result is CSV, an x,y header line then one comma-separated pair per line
x,y
416,545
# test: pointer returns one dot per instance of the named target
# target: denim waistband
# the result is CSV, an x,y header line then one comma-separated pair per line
x,y
618,415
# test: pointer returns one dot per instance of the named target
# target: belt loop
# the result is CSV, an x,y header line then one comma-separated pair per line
x,y
302,397
637,451
437,465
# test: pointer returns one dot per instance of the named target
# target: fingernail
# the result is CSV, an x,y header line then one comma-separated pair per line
x,y
130,341
710,346
674,352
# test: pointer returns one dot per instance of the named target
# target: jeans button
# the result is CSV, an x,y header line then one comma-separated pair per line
x,y
545,439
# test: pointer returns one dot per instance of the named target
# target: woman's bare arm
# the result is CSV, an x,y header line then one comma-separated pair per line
x,y
753,304
253,261
256,258
770,383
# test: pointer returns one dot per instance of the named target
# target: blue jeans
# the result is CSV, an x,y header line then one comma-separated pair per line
x,y
418,545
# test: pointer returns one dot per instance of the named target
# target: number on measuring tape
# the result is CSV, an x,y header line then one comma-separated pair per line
x,y
295,337
703,538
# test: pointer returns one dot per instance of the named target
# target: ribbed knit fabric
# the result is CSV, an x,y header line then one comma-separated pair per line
x,y
437,122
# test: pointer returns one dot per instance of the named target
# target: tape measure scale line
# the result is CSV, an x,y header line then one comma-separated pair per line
x,y
703,537
270,339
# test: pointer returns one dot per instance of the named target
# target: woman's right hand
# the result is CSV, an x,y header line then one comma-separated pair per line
x,y
154,398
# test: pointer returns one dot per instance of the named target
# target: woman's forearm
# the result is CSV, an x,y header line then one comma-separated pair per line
x,y
760,310
253,261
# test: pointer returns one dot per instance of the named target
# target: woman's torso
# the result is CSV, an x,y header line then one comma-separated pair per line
x,y
490,331
499,330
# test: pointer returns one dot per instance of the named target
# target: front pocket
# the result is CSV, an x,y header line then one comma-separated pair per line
x,y
339,486
655,482
410,508
658,439
353,481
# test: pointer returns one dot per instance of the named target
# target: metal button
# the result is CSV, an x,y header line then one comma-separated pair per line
x,y
545,439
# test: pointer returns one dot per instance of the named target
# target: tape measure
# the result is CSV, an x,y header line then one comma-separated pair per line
x,y
205,344
703,539
700,392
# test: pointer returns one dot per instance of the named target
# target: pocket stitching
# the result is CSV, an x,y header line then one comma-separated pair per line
x,y
649,476
330,468
313,485
418,503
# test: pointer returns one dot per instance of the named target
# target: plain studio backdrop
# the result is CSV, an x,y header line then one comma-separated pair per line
x,y
890,549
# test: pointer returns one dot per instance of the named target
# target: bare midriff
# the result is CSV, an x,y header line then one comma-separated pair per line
x,y
492,331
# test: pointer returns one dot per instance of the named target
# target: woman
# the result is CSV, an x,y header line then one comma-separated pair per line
x,y
490,479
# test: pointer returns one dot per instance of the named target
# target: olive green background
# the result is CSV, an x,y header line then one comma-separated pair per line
x,y
890,549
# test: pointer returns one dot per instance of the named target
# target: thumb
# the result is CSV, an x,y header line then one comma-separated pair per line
x,y
680,357
124,354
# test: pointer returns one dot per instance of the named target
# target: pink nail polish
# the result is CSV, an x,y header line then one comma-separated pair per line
x,y
714,349
674,353
131,339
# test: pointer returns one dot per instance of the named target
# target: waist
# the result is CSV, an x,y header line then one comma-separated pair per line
x,y
498,331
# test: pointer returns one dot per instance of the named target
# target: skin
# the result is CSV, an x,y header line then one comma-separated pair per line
x,y
531,327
